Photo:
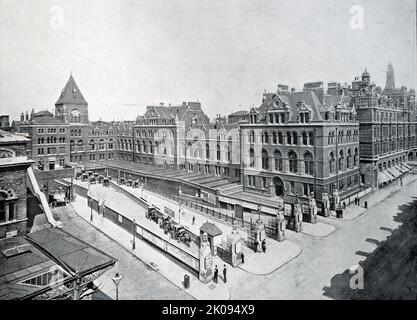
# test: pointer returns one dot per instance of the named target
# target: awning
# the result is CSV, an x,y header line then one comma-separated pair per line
x,y
402,170
382,178
389,174
394,172
407,166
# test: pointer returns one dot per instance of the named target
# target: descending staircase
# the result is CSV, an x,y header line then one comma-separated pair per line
x,y
41,197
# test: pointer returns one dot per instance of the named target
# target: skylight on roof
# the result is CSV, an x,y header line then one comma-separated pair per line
x,y
15,251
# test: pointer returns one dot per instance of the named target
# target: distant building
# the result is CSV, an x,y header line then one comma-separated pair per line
x,y
13,184
235,117
390,84
5,123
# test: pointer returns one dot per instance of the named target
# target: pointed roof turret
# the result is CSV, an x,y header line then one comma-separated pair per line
x,y
71,94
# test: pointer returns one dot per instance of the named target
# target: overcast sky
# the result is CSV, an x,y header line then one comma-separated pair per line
x,y
223,53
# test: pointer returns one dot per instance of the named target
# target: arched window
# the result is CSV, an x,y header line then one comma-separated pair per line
x,y
274,138
277,160
207,151
288,137
349,159
311,139
188,152
252,136
72,145
92,145
228,153
110,145
308,163
293,160
252,158
280,138
341,160
218,152
356,158
295,138
101,145
150,147
304,138
266,137
144,147
331,163
265,160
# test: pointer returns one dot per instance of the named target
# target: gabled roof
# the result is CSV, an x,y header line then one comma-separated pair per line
x,y
310,99
71,94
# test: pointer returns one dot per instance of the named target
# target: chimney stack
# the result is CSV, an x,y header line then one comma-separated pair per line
x,y
27,115
22,117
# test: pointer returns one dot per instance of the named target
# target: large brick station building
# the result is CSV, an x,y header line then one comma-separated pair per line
x,y
297,143
387,129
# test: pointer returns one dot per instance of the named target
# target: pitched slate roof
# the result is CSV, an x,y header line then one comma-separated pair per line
x,y
239,113
71,94
45,117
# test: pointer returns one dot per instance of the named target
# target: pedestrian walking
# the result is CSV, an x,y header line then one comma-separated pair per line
x,y
264,245
216,274
243,258
224,273
193,220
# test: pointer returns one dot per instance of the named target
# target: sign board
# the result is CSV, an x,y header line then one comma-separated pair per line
x,y
238,247
11,234
208,262
287,209
169,212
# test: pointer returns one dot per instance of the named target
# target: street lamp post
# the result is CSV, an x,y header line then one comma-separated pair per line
x,y
134,238
116,279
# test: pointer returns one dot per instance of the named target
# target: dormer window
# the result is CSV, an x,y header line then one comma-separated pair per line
x,y
304,117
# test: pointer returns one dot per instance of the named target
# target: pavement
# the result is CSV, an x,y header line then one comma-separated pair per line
x,y
353,211
277,254
318,229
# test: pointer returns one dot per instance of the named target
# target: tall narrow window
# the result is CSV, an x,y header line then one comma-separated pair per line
x,y
292,158
265,160
308,163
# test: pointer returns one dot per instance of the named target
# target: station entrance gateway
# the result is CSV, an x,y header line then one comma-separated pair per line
x,y
278,187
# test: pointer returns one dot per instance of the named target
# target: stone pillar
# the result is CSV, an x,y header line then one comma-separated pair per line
x,y
236,245
260,234
336,199
281,224
206,260
312,207
325,204
298,216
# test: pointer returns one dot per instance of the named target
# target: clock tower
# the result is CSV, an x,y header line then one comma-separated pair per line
x,y
71,106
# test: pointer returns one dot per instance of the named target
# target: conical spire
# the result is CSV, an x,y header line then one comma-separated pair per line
x,y
71,94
